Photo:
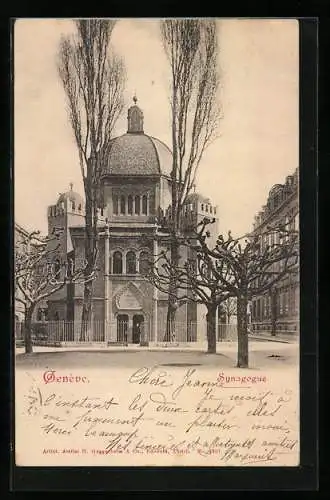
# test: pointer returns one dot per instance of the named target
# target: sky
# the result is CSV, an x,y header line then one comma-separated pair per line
x,y
258,143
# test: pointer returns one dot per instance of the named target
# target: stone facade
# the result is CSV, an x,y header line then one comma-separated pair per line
x,y
135,196
283,301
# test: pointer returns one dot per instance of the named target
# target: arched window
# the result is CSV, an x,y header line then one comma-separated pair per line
x,y
206,208
210,210
70,267
122,205
202,206
39,315
137,205
130,205
144,205
144,263
115,204
117,263
130,263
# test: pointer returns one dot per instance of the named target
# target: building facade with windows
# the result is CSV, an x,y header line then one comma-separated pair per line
x,y
135,198
277,310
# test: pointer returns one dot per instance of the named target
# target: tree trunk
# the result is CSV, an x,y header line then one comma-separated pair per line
x,y
28,329
86,312
211,326
172,303
273,306
89,256
174,227
242,333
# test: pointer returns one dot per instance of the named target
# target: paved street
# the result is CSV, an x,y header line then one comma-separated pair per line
x,y
263,355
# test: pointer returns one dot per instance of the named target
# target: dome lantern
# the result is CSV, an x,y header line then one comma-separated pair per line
x,y
135,119
70,196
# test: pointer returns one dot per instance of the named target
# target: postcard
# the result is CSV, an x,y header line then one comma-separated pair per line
x,y
156,234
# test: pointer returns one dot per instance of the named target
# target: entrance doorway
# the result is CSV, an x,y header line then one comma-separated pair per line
x,y
122,327
138,325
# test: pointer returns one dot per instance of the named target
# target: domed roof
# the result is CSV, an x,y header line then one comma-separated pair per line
x,y
197,197
136,153
71,196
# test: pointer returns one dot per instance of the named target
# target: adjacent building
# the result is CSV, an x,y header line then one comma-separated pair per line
x,y
278,309
20,244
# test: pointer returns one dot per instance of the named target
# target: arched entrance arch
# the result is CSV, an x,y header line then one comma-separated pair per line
x,y
131,315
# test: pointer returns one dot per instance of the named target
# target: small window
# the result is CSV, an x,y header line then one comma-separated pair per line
x,y
206,208
115,204
79,207
130,263
130,205
137,205
117,263
202,206
210,210
39,315
215,211
73,206
122,205
144,205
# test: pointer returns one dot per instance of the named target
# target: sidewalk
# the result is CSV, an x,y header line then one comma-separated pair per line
x,y
222,347
280,337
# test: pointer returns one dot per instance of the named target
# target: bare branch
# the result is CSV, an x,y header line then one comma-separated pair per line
x,y
40,272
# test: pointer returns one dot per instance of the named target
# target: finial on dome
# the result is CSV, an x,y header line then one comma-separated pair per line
x,y
135,118
71,186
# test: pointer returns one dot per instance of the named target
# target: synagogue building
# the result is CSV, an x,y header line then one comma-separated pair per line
x,y
135,199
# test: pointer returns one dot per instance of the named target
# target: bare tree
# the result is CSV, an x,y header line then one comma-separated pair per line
x,y
40,272
191,47
195,281
253,267
93,78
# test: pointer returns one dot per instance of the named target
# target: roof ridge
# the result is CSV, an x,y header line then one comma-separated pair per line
x,y
162,142
157,155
